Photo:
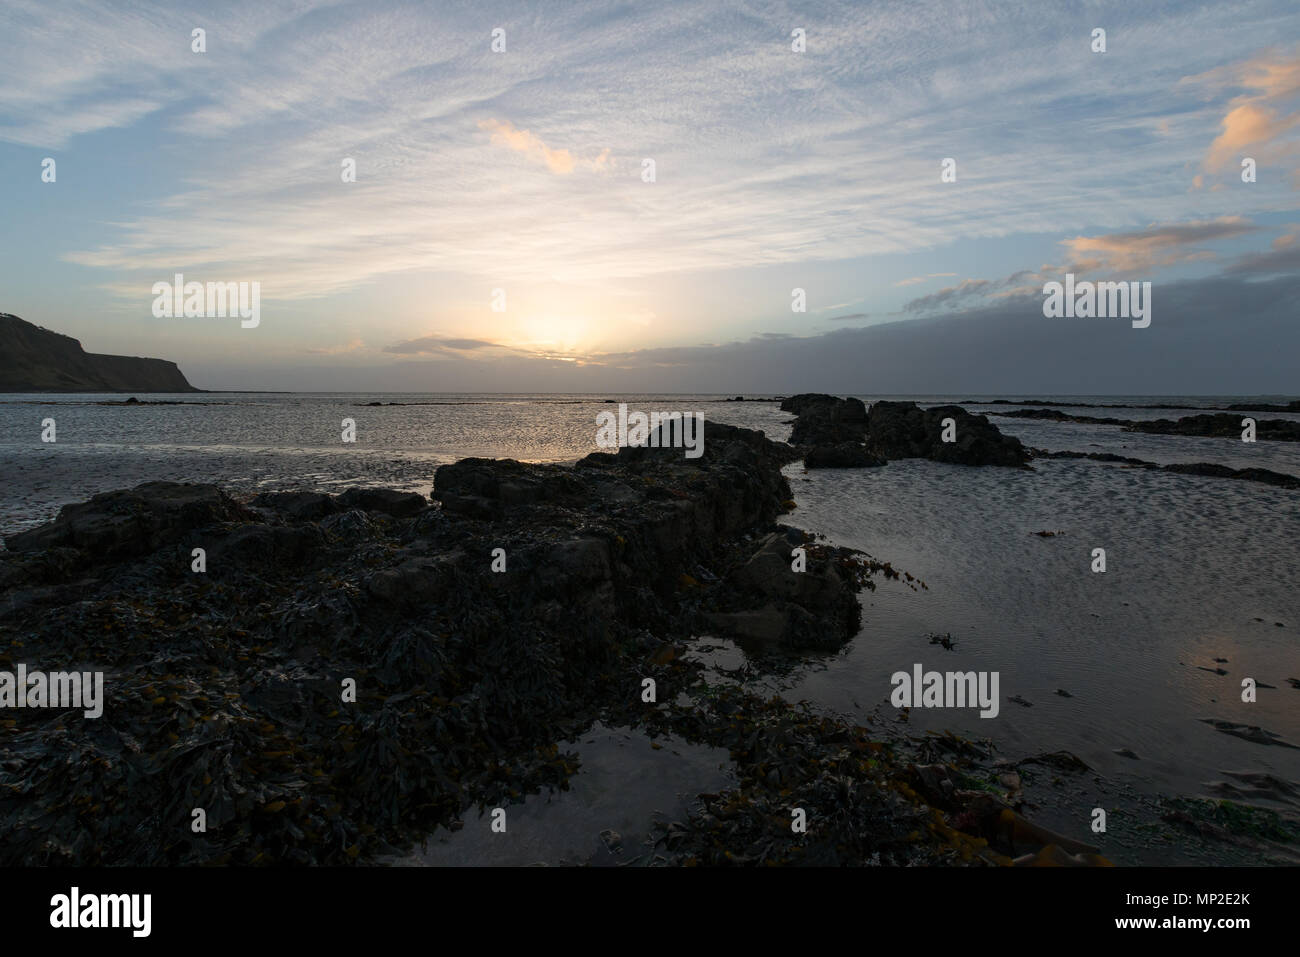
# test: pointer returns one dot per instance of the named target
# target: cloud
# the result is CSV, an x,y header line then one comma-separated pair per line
x,y
914,280
439,345
1261,121
948,297
559,161
1283,257
849,316
764,157
1157,245
1246,126
1204,339
80,69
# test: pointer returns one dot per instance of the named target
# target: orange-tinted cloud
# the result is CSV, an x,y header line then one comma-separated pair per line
x,y
1260,121
561,161
1157,245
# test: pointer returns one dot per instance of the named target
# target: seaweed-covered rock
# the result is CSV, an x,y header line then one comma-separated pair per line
x,y
1219,424
790,594
386,500
899,430
132,521
298,505
846,455
1292,406
470,664
264,545
826,420
1267,476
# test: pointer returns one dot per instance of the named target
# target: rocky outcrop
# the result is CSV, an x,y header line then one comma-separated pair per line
x,y
1213,470
132,522
846,455
825,420
769,607
386,500
297,505
1215,425
1222,424
478,632
1207,469
842,433
1056,415
899,430
1292,406
33,359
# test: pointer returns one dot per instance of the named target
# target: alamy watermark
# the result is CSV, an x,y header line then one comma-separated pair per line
x,y
75,909
1101,300
57,689
656,430
951,689
213,300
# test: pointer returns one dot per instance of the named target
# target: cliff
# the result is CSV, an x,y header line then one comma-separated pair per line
x,y
33,359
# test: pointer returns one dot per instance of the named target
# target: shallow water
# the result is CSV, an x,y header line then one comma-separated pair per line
x,y
625,782
249,442
1191,564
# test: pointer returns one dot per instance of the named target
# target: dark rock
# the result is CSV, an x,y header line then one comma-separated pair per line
x,y
503,482
1292,406
387,500
935,782
226,684
1267,476
825,419
1206,469
1061,760
352,525
798,403
264,545
301,506
768,607
1220,424
1249,732
846,455
898,430
133,521
416,581
1054,415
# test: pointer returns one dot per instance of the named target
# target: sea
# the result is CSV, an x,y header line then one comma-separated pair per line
x,y
1122,668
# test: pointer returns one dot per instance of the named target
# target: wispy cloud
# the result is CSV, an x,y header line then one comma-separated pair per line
x,y
447,346
949,296
1157,245
915,280
556,160
835,152
1110,255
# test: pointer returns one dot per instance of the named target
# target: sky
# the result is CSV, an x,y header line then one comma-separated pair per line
x,y
795,146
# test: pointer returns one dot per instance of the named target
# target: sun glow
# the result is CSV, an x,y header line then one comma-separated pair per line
x,y
552,332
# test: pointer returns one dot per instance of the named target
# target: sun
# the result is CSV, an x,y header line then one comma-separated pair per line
x,y
562,332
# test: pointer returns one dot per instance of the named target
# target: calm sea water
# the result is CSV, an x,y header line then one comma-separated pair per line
x,y
1197,568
